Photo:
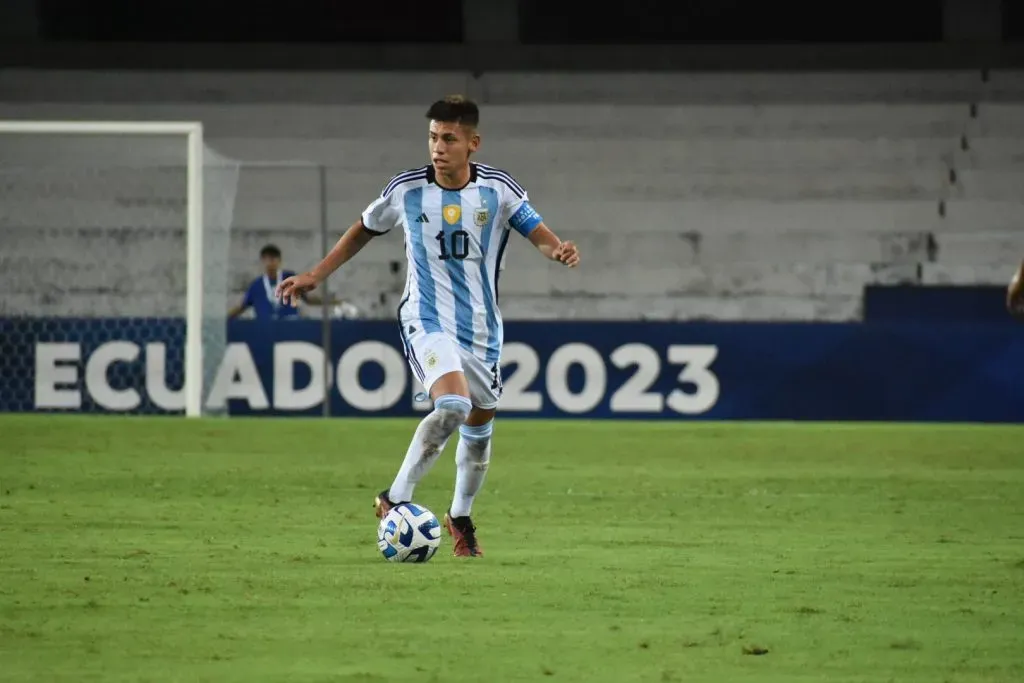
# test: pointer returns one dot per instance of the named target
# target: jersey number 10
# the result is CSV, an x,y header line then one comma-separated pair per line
x,y
459,240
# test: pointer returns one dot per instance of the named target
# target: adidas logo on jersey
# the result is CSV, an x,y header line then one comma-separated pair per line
x,y
423,218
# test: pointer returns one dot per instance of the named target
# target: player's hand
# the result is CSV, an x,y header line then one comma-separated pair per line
x,y
292,289
567,253
1015,294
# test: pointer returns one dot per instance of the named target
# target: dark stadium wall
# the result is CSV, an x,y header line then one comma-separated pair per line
x,y
532,35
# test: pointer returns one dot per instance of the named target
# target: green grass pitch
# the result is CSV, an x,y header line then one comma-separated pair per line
x,y
136,549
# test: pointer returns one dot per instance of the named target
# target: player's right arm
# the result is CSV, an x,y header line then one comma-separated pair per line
x,y
1015,293
378,218
291,290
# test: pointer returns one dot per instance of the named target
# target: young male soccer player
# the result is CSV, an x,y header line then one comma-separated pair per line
x,y
457,216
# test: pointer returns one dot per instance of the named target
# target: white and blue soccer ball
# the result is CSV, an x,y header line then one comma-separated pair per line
x,y
408,533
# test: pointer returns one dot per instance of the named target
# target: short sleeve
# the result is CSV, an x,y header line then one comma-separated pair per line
x,y
522,217
382,214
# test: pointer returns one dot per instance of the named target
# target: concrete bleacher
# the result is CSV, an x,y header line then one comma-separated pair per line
x,y
502,88
755,196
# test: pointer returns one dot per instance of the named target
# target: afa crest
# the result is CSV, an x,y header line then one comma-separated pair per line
x,y
480,217
452,213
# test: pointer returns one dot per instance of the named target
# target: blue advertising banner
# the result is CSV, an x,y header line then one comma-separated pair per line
x,y
922,371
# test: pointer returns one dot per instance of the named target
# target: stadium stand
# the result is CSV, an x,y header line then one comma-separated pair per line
x,y
718,196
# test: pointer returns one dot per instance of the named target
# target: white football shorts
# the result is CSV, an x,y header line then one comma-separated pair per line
x,y
435,354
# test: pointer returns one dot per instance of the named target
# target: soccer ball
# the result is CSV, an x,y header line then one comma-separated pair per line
x,y
408,533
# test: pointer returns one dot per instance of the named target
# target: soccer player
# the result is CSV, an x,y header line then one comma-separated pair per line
x,y
1015,293
457,216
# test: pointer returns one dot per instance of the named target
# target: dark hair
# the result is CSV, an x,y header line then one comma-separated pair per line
x,y
270,250
455,109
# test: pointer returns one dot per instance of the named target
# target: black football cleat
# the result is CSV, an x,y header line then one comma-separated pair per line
x,y
382,504
463,534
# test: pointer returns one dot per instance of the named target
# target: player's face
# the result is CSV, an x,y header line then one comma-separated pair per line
x,y
271,264
450,146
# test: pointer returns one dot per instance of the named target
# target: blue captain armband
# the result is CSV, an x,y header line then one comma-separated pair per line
x,y
525,219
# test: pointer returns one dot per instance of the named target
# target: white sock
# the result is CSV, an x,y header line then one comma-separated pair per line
x,y
472,459
450,412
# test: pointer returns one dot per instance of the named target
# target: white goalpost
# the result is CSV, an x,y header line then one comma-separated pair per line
x,y
85,188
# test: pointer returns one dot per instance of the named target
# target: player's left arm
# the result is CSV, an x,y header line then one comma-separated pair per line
x,y
548,243
525,220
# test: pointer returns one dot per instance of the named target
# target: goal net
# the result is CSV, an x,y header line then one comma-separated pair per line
x,y
114,255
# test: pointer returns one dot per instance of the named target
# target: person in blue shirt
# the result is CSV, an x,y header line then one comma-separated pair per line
x,y
261,295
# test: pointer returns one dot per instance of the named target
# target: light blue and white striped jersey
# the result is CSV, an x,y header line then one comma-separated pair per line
x,y
455,243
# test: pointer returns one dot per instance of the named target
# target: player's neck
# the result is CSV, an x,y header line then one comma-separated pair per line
x,y
271,274
456,180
